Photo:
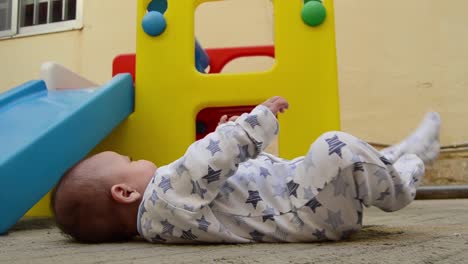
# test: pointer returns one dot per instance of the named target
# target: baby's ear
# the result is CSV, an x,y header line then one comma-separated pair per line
x,y
123,193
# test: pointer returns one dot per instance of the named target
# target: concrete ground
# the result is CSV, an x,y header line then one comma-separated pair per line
x,y
427,231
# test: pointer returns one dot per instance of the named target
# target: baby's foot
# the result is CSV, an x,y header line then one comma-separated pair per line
x,y
424,141
410,168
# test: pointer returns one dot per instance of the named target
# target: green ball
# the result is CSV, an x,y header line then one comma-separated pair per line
x,y
313,13
305,1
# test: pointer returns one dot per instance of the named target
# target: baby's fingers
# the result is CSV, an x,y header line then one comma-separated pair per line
x,y
281,104
222,120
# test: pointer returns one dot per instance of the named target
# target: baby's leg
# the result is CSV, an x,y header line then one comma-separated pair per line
x,y
341,172
424,141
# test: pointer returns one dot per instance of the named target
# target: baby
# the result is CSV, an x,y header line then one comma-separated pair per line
x,y
226,190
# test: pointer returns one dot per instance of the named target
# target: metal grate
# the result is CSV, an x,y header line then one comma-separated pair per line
x,y
39,12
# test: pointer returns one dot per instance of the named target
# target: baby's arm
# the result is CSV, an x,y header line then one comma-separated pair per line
x,y
194,180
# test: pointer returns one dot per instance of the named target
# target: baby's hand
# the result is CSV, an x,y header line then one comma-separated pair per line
x,y
224,119
276,104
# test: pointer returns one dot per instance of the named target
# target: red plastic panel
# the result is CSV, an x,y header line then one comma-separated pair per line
x,y
124,63
208,118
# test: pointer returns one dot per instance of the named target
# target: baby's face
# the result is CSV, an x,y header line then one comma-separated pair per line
x,y
122,168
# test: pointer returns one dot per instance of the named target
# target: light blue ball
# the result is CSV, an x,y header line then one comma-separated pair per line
x,y
154,23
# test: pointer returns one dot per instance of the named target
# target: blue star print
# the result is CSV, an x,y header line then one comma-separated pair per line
x,y
203,224
165,184
313,204
335,145
213,147
292,188
196,189
254,198
168,228
264,172
154,197
268,214
252,121
188,235
213,175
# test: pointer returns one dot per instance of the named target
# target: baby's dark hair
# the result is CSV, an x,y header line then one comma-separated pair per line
x,y
83,207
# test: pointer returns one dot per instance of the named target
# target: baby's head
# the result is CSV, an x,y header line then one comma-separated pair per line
x,y
97,200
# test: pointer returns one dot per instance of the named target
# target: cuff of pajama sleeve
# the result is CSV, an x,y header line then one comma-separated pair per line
x,y
261,125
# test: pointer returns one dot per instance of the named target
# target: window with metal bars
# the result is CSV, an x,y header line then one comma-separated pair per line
x,y
29,17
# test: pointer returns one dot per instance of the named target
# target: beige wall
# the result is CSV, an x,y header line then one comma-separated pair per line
x,y
396,60
109,29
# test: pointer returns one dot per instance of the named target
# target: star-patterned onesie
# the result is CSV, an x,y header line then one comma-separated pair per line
x,y
226,190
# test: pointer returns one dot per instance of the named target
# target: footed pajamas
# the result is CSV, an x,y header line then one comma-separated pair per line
x,y
226,190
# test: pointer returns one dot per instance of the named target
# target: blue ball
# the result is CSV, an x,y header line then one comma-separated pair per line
x,y
158,5
154,23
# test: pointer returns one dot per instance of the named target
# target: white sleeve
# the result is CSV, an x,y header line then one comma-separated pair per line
x,y
194,180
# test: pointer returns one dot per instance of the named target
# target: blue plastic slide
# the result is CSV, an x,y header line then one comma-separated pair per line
x,y
45,132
